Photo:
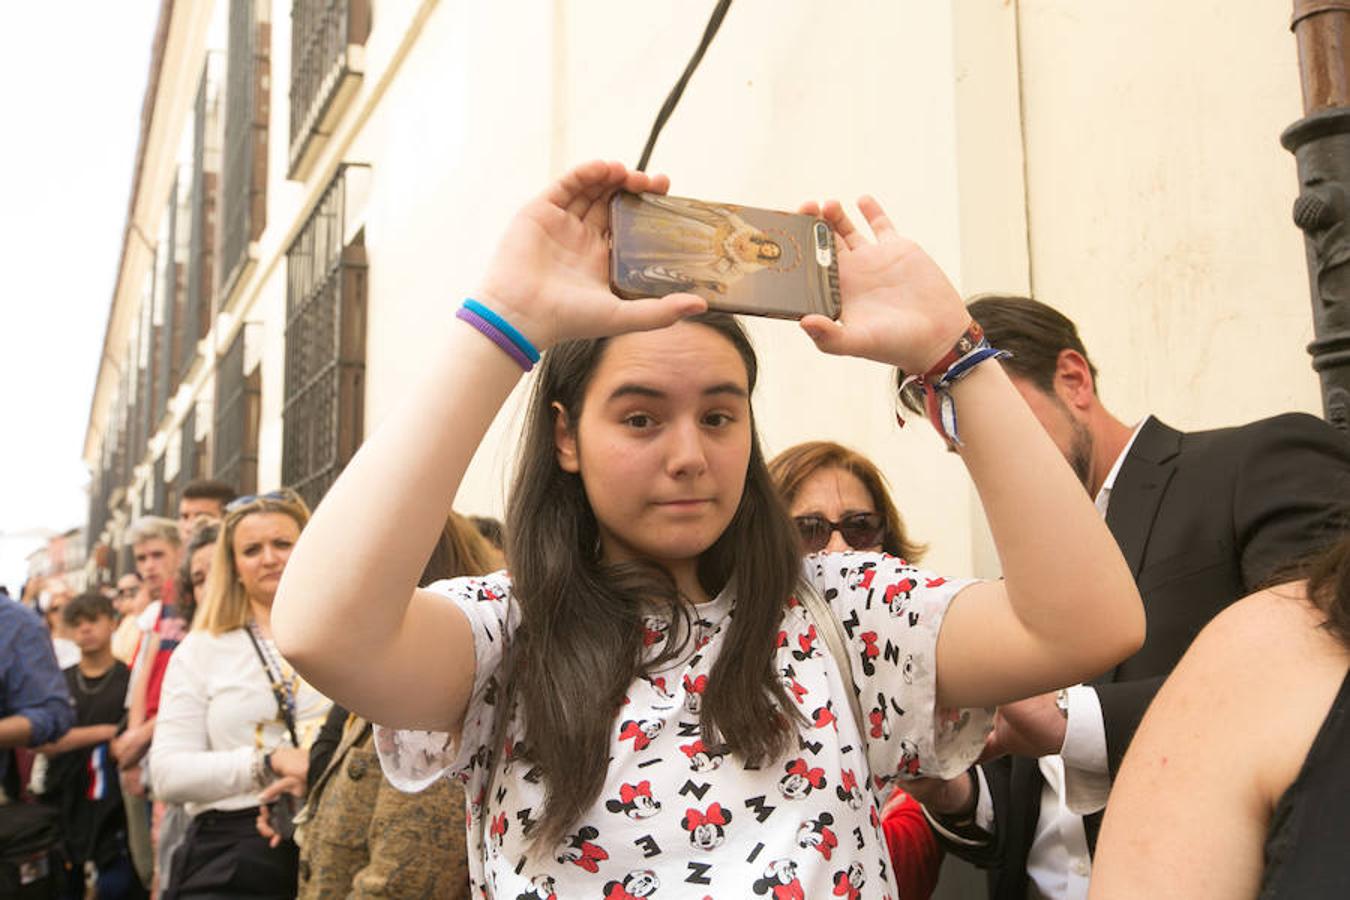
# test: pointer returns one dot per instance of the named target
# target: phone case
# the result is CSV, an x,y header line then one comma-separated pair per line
x,y
740,259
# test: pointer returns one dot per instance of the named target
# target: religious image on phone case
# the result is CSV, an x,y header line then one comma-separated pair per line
x,y
738,258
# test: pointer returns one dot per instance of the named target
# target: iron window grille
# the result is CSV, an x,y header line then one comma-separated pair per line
x,y
201,264
247,78
191,452
168,295
159,503
327,38
237,410
323,408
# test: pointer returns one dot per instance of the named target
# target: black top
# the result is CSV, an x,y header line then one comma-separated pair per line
x,y
1309,833
83,783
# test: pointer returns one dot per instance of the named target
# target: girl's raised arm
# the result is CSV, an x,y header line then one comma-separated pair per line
x,y
347,615
1067,608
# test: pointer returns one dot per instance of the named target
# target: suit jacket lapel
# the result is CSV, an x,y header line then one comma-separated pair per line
x,y
1139,488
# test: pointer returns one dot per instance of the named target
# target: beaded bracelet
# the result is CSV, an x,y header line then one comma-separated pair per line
x,y
971,349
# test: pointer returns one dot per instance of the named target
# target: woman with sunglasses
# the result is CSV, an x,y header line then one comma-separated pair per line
x,y
644,706
838,500
235,716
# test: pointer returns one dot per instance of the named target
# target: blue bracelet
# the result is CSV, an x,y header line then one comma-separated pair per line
x,y
504,327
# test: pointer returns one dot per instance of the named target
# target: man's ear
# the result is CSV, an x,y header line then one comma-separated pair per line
x,y
1073,380
565,440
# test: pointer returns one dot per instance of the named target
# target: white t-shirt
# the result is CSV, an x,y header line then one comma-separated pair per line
x,y
674,820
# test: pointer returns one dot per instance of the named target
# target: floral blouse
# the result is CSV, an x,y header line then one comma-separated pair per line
x,y
675,818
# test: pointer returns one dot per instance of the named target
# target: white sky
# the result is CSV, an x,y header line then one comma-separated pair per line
x,y
76,73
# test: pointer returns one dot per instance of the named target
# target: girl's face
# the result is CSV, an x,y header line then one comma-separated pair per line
x,y
199,566
262,544
663,443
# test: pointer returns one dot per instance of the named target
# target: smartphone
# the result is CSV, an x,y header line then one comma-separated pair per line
x,y
281,816
740,259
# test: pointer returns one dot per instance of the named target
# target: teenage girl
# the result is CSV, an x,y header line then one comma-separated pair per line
x,y
644,706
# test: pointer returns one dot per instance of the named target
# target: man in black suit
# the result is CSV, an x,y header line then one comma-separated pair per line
x,y
1203,518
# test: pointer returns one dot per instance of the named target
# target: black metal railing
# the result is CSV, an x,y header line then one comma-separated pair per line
x,y
189,452
321,33
201,262
247,77
235,427
159,502
324,400
169,334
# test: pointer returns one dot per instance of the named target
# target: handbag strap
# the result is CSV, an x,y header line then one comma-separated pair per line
x,y
828,627
285,697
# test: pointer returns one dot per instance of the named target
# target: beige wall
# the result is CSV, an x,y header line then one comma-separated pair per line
x,y
1100,155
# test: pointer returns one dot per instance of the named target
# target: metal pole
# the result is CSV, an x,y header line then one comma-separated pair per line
x,y
1320,142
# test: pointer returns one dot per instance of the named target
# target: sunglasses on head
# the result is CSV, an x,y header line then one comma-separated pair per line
x,y
861,531
280,494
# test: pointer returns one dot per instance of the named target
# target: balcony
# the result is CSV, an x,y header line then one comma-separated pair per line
x,y
327,63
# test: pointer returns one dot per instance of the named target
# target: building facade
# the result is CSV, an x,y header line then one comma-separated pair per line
x,y
320,181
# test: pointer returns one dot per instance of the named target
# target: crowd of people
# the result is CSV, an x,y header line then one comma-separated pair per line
x,y
707,672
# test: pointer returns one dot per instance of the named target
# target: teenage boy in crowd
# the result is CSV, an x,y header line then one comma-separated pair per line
x,y
1203,518
156,547
82,776
202,498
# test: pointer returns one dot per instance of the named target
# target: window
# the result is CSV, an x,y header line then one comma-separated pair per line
x,y
244,199
201,266
323,411
238,393
191,453
327,61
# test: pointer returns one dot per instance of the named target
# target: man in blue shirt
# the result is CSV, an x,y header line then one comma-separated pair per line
x,y
35,706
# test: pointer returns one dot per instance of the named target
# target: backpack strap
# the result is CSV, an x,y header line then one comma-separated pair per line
x,y
828,627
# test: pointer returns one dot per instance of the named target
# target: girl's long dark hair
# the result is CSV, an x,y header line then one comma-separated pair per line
x,y
1329,588
579,643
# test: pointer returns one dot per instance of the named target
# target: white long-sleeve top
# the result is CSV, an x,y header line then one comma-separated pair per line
x,y
216,711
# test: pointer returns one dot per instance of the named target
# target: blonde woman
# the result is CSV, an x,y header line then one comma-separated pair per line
x,y
235,716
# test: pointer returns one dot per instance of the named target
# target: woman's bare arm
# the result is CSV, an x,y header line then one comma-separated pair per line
x,y
346,613
1067,608
1222,741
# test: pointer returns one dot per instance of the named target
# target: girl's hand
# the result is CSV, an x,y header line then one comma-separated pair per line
x,y
550,275
898,306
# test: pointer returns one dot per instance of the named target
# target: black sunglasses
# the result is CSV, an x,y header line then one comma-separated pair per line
x,y
860,531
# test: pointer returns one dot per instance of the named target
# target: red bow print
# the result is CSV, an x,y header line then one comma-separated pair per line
x,y
498,829
692,750
816,777
870,650
617,892
629,792
849,780
714,816
827,842
695,685
631,729
791,891
844,888
934,582
868,575
591,856
807,641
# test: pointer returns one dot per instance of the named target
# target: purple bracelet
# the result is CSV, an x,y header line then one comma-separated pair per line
x,y
494,334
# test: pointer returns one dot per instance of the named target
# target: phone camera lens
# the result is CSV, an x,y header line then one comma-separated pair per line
x,y
822,235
